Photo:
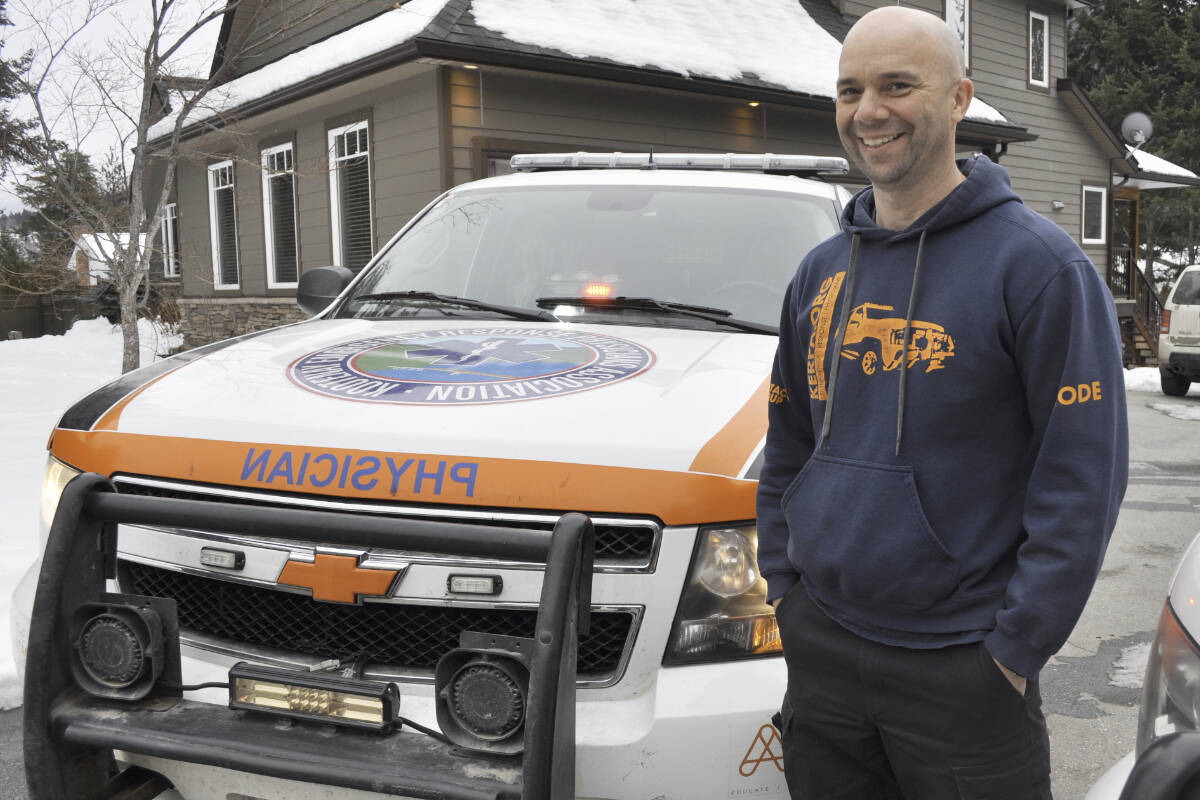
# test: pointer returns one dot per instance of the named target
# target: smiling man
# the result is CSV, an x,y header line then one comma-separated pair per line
x,y
936,498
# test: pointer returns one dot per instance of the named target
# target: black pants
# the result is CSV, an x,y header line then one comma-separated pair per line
x,y
869,721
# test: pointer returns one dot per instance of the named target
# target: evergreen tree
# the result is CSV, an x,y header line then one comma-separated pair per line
x,y
17,140
57,191
1144,55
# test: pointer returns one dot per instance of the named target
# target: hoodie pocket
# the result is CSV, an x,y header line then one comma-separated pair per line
x,y
858,532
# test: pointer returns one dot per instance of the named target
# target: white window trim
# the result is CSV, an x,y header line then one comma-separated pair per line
x,y
214,234
1045,84
334,200
170,247
269,239
966,42
1103,192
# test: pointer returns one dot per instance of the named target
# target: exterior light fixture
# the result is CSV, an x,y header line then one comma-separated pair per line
x,y
753,104
470,66
373,705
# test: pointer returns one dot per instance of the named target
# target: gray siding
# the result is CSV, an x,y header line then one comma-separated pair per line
x,y
571,114
1065,155
405,173
266,31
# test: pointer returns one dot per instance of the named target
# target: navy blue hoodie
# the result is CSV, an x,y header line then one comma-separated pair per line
x,y
964,487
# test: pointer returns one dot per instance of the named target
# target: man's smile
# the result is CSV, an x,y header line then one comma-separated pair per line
x,y
879,141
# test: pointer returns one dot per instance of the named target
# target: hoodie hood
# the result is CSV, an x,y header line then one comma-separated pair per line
x,y
986,186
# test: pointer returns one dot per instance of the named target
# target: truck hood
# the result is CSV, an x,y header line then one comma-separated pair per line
x,y
368,407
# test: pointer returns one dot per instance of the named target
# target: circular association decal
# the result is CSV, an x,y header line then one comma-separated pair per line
x,y
469,365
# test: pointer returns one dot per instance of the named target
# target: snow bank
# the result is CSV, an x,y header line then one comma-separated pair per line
x,y
39,379
1145,379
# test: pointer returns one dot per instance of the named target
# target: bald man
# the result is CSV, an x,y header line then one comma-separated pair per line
x,y
946,454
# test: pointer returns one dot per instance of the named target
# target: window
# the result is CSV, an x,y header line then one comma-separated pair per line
x,y
1039,50
350,195
279,216
958,17
170,242
1095,198
222,217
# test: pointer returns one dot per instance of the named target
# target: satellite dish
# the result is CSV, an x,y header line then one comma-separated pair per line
x,y
1136,129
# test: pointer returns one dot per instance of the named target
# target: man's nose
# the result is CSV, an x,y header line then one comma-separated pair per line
x,y
871,107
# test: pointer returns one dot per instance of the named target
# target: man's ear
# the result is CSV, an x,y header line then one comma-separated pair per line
x,y
961,96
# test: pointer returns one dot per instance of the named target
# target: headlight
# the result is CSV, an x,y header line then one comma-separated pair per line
x,y
1172,687
55,479
723,612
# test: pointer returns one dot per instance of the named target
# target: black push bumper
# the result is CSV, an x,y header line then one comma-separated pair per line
x,y
70,735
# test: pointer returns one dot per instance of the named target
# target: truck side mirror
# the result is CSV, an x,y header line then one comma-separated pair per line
x,y
319,287
1169,769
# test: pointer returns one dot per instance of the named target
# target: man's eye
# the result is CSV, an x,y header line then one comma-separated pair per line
x,y
848,92
899,87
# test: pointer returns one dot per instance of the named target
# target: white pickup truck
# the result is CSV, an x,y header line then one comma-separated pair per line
x,y
483,527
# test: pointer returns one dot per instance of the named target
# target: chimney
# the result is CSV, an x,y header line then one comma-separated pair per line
x,y
82,267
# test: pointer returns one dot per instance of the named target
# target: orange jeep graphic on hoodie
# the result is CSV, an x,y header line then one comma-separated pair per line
x,y
881,341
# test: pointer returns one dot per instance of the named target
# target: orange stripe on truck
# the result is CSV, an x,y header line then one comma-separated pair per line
x,y
725,453
677,498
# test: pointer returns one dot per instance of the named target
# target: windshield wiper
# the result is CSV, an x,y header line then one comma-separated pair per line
x,y
717,315
540,315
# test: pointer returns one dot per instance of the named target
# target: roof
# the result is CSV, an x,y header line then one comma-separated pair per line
x,y
785,52
1158,173
100,248
1133,168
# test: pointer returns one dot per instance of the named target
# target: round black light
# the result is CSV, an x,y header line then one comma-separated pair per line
x,y
111,651
487,700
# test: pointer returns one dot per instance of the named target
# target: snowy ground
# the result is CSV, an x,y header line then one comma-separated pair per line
x,y
40,378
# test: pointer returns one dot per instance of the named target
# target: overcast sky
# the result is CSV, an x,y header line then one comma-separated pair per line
x,y
111,41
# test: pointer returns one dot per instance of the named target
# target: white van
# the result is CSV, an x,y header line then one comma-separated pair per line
x,y
308,563
1179,339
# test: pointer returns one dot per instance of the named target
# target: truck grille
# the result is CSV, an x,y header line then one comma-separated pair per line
x,y
400,638
625,545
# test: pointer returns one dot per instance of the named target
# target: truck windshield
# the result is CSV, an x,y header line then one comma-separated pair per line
x,y
721,248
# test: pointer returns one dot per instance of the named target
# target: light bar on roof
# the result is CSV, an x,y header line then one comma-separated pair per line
x,y
754,162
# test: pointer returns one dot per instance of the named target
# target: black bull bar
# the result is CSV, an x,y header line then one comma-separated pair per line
x,y
69,735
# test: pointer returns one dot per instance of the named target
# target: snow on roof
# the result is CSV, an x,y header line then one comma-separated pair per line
x,y
99,249
779,43
1159,166
368,38
104,245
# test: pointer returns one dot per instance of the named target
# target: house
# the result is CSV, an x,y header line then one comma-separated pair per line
x,y
1133,171
93,255
324,142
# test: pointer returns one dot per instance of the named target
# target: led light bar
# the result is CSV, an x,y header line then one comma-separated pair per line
x,y
754,162
315,696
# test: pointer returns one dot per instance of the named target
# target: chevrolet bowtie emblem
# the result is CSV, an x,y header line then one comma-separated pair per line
x,y
337,579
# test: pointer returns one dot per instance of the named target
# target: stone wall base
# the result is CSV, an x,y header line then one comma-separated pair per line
x,y
209,319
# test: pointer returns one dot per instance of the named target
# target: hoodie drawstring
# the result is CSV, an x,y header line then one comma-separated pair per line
x,y
839,337
912,301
